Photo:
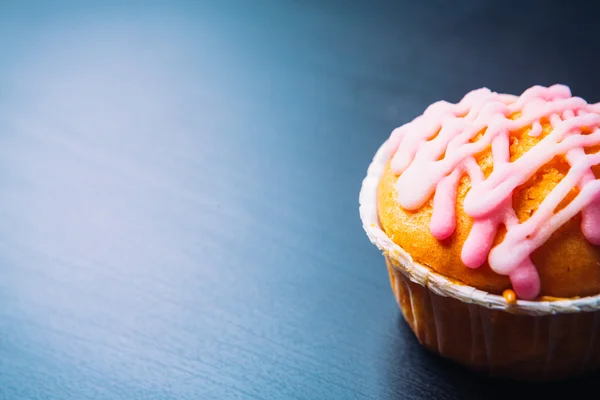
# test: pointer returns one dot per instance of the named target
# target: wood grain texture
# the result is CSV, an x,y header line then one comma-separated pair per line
x,y
179,189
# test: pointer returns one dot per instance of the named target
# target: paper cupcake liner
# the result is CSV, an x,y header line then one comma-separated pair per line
x,y
532,340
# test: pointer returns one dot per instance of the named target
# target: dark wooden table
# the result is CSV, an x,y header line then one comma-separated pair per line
x,y
179,189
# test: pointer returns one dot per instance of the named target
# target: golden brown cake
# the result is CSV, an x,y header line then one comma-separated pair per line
x,y
496,194
568,264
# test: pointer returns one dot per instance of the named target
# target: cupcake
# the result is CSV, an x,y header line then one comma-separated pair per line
x,y
488,215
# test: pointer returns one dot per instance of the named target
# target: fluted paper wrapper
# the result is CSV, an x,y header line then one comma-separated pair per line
x,y
528,340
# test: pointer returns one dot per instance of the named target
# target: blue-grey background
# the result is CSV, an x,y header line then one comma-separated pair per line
x,y
179,186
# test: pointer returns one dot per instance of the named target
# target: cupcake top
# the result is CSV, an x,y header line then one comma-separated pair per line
x,y
431,154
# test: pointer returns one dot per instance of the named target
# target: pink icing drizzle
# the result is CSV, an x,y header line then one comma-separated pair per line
x,y
432,152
